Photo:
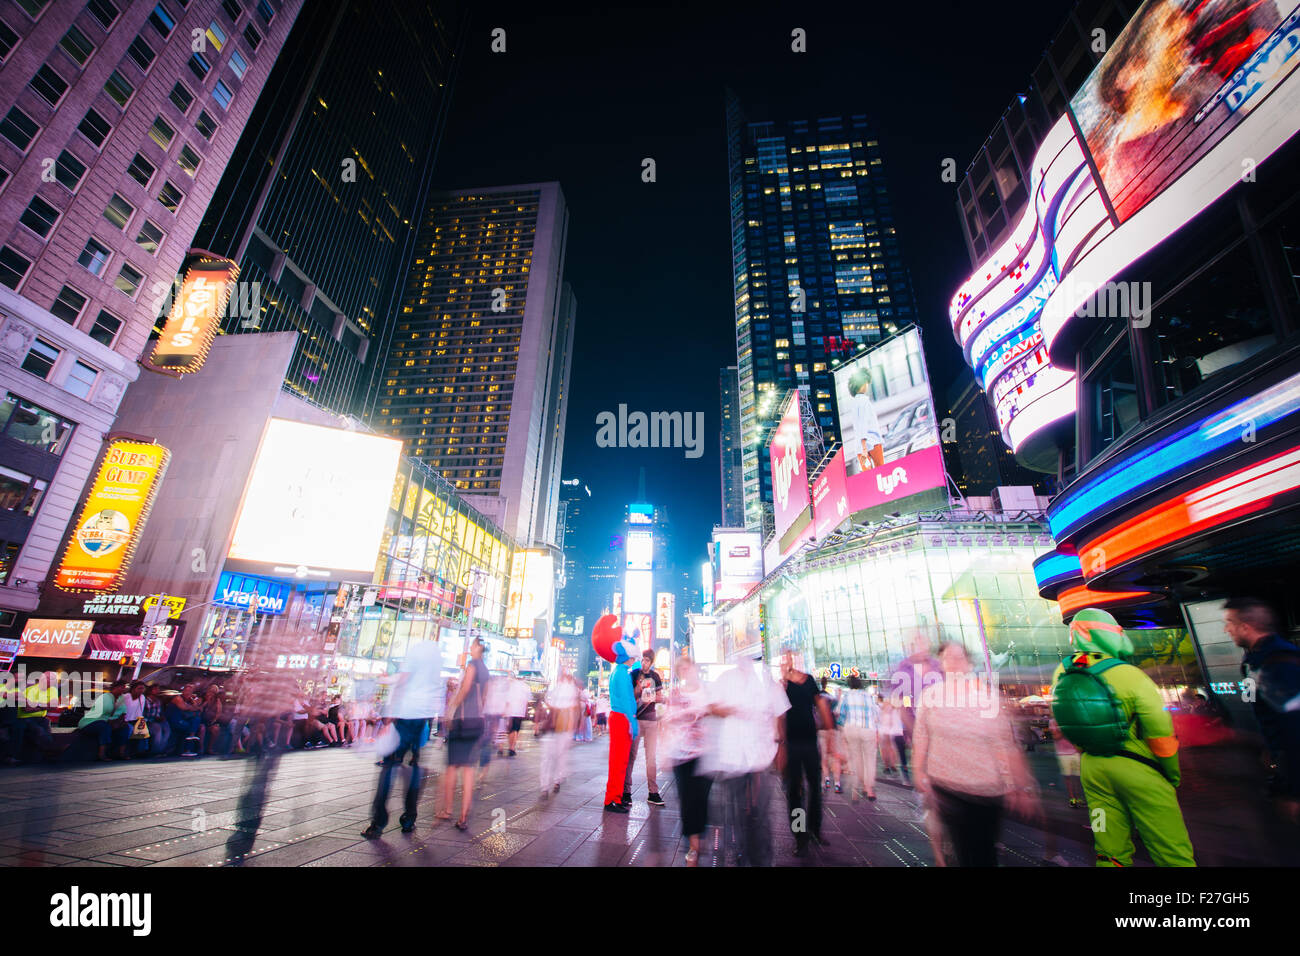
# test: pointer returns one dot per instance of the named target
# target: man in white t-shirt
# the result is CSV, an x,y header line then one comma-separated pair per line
x,y
418,696
517,694
562,700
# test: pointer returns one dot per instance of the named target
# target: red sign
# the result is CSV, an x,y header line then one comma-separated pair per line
x,y
789,469
111,647
830,497
897,479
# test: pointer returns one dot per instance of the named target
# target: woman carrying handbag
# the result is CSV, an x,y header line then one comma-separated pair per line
x,y
465,735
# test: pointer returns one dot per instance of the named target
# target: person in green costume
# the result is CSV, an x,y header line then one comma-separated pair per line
x,y
1133,787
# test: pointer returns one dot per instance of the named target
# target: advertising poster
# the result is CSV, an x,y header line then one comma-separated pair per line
x,y
790,478
830,497
740,563
111,647
892,458
640,550
636,627
196,313
43,637
1178,80
317,498
113,516
665,612
638,592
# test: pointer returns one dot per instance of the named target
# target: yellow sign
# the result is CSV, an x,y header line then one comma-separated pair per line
x,y
107,529
195,315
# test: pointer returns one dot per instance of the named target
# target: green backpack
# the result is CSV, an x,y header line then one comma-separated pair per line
x,y
1088,711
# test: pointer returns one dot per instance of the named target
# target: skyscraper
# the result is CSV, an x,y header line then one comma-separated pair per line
x,y
118,120
817,268
476,377
570,602
321,200
985,461
732,452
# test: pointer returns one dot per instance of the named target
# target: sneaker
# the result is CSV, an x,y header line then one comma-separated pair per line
x,y
615,808
839,788
408,826
512,753
655,800
692,858
557,788
372,832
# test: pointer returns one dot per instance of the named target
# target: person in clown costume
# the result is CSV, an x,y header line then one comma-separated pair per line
x,y
607,640
1114,714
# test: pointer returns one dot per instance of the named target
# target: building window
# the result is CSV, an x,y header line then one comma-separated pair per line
x,y
221,93
170,197
205,124
40,359
49,85
128,280
8,40
76,45
13,267
81,380
142,53
94,257
232,9
265,12
33,8
161,132
182,97
95,128
216,36
238,65
200,66
105,329
33,425
68,305
39,216
188,160
118,211
68,170
104,11
150,237
141,170
119,89
253,37
19,128
19,492
162,21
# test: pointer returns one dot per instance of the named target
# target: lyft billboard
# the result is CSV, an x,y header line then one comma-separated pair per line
x,y
789,471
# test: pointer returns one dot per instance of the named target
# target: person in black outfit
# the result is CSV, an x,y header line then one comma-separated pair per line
x,y
798,757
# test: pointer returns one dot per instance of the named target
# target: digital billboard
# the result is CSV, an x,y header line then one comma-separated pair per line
x,y
1178,80
704,640
830,497
640,514
789,476
43,637
637,627
892,458
665,613
640,550
739,556
318,497
196,312
113,516
532,584
638,596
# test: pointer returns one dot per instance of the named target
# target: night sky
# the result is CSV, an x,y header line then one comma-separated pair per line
x,y
584,97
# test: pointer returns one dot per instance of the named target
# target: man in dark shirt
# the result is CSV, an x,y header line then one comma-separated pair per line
x,y
647,685
1273,664
798,757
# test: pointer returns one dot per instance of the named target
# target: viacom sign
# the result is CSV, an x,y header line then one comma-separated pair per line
x,y
241,591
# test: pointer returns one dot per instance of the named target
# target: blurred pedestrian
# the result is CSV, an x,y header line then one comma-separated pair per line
x,y
466,734
416,699
562,703
495,704
857,718
1068,762
910,676
797,754
967,760
647,687
893,746
602,714
685,729
828,739
587,713
1273,665
516,709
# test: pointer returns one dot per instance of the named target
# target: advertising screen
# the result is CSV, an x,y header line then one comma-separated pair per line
x,y
532,581
318,497
706,579
636,627
665,612
1177,80
113,516
640,550
638,596
830,497
704,641
640,514
195,315
238,590
111,647
789,474
49,638
892,458
740,563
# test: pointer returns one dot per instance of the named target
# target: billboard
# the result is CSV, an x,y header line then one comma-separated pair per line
x,y
1178,80
665,613
532,584
640,514
706,579
318,497
640,550
196,312
238,590
830,497
108,527
112,647
43,637
789,476
638,626
704,640
740,563
892,458
638,592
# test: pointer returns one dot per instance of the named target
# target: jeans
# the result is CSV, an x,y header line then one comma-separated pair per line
x,y
411,735
749,830
972,824
160,734
649,731
803,763
183,725
104,733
